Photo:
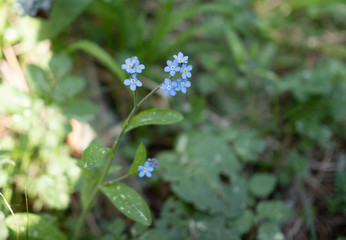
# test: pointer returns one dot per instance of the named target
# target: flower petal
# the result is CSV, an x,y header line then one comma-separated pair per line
x,y
146,164
183,90
150,169
133,87
139,83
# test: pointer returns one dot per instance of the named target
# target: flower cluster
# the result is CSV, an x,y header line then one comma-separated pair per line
x,y
148,167
178,65
133,67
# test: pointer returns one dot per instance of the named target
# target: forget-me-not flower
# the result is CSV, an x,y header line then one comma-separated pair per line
x,y
137,68
172,67
129,64
169,87
182,84
180,58
145,170
185,71
133,82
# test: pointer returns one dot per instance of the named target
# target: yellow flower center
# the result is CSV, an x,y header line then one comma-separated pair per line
x,y
185,70
133,80
180,60
130,65
145,169
136,67
172,67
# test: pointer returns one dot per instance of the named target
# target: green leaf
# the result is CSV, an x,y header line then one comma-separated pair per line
x,y
236,46
60,65
262,184
68,87
137,229
176,218
276,211
3,229
100,54
140,158
246,144
128,201
270,231
154,117
93,155
82,110
39,80
38,227
244,223
206,162
116,227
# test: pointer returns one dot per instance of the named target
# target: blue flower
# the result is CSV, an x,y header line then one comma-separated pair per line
x,y
169,87
185,71
182,84
129,64
137,68
181,58
172,67
133,82
153,162
145,170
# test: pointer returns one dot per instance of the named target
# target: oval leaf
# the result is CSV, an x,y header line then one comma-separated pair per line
x,y
93,155
128,201
38,227
154,117
140,158
262,184
68,87
60,65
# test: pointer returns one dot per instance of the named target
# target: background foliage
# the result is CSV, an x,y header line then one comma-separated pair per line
x,y
260,153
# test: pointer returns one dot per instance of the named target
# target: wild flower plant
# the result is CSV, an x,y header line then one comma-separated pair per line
x,y
127,200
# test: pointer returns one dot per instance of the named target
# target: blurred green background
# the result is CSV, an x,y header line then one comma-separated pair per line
x,y
260,153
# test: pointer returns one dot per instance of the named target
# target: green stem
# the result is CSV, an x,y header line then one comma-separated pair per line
x,y
149,95
104,174
117,179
